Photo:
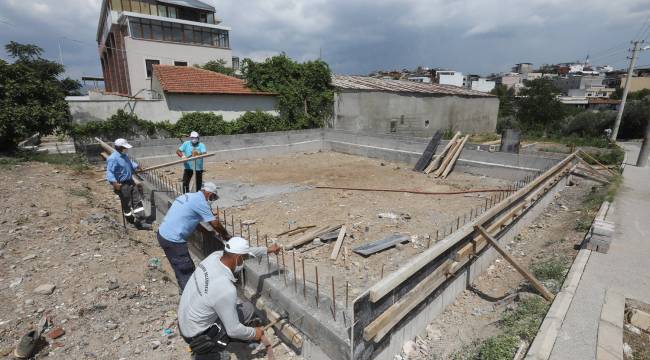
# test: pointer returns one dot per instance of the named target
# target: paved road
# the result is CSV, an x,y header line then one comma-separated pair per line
x,y
625,268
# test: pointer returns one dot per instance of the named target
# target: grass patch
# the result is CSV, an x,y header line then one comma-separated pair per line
x,y
594,199
521,323
556,149
76,162
484,137
550,269
448,134
599,142
612,156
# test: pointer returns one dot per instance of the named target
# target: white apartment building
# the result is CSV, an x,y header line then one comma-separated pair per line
x,y
134,35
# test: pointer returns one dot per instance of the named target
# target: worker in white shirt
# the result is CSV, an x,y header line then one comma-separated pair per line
x,y
209,315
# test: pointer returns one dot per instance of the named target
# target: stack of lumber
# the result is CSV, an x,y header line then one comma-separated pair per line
x,y
442,165
311,236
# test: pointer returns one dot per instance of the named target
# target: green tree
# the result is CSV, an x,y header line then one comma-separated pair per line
x,y
636,117
218,66
205,123
506,100
305,92
32,98
538,106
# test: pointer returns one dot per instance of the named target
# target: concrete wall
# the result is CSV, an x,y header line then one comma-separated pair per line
x,y
139,50
413,115
171,107
637,83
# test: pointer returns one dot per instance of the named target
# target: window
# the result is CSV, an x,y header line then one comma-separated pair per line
x,y
206,38
180,63
146,29
136,28
162,10
149,63
171,12
210,18
197,35
177,33
167,32
426,123
156,30
126,5
393,126
203,18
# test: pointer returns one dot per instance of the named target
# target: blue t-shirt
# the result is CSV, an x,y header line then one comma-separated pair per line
x,y
184,215
187,149
119,168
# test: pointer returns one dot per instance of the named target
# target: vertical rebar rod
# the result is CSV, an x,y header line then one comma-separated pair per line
x,y
317,287
295,279
266,242
241,228
257,237
457,222
333,299
225,220
232,223
429,242
284,270
347,289
382,271
304,281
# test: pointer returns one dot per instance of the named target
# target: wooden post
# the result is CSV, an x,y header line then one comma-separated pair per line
x,y
525,273
339,242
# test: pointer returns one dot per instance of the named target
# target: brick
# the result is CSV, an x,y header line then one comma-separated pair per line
x,y
56,333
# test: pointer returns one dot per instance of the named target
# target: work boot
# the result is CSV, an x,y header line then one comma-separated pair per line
x,y
143,226
26,345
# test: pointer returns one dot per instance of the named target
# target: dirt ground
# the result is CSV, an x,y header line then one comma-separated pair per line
x,y
475,313
417,215
62,228
636,342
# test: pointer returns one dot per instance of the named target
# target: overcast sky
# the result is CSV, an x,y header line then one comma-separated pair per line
x,y
359,36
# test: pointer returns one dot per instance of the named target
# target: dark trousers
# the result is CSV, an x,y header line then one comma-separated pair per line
x,y
187,176
245,313
131,199
179,258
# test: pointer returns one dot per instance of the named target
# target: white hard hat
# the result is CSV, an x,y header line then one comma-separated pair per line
x,y
239,246
210,187
194,134
122,143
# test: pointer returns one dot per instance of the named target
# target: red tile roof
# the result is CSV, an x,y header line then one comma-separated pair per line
x,y
192,80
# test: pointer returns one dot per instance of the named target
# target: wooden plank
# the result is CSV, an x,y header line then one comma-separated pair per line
x,y
598,162
386,285
180,161
310,236
379,245
337,245
429,151
523,271
382,325
447,159
436,162
455,157
295,229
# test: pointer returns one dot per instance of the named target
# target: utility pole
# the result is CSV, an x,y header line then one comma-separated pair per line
x,y
630,69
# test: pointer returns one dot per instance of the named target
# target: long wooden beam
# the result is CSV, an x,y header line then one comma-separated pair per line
x,y
598,162
454,158
447,158
180,161
109,149
437,159
311,236
390,282
522,270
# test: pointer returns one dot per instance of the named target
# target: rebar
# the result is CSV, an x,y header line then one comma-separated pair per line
x,y
266,241
317,287
347,287
284,270
333,299
257,238
295,280
241,228
304,282
232,224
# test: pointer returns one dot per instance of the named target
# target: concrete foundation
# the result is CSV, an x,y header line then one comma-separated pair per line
x,y
323,337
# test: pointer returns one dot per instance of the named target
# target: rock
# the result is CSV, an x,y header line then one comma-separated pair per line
x,y
433,332
56,333
29,302
15,283
525,296
43,213
111,326
29,257
155,344
409,349
388,215
45,289
633,329
627,350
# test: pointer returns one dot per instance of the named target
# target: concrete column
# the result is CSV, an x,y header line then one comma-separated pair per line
x,y
642,160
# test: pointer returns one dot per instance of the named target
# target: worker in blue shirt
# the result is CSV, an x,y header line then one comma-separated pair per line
x,y
181,220
188,149
119,173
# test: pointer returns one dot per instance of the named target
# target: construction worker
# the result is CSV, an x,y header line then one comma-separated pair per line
x,y
188,149
209,315
181,220
119,173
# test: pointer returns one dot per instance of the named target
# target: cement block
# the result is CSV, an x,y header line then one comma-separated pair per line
x,y
640,319
604,228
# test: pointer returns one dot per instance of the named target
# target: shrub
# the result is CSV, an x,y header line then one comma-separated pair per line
x,y
498,347
205,123
551,269
121,124
588,123
258,121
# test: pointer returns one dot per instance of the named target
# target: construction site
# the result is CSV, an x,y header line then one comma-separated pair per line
x,y
383,236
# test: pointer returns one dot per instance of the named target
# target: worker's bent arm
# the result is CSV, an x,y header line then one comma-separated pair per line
x,y
218,227
179,153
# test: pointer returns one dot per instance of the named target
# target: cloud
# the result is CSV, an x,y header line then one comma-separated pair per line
x,y
359,36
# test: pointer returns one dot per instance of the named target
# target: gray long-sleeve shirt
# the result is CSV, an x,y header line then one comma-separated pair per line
x,y
210,294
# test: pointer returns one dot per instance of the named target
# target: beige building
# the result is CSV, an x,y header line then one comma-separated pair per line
x,y
637,83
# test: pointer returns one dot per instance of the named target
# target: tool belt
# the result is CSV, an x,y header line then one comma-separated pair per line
x,y
214,339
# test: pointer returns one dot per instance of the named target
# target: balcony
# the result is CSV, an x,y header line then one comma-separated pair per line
x,y
157,28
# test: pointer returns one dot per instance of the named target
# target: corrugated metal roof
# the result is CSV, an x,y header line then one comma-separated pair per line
x,y
402,86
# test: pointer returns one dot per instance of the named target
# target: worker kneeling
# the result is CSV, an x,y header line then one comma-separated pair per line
x,y
209,315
